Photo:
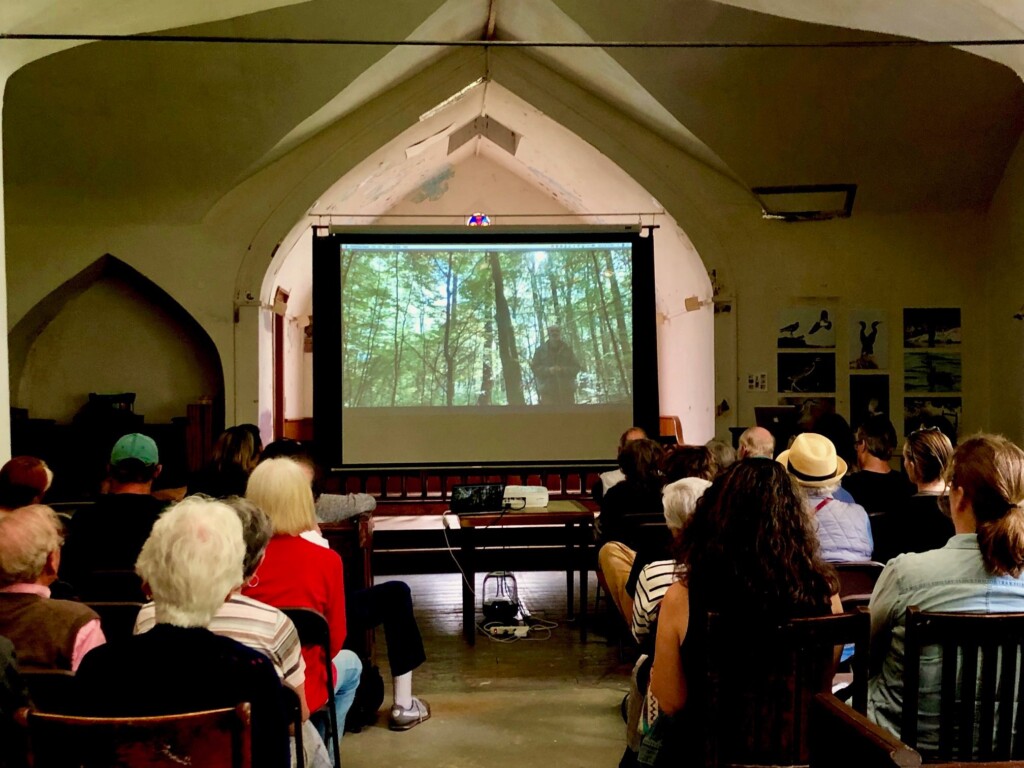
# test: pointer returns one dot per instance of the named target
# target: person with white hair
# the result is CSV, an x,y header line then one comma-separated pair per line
x,y
47,633
678,499
190,564
756,441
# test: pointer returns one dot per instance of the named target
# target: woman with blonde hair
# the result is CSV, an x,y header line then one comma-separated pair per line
x,y
979,570
296,572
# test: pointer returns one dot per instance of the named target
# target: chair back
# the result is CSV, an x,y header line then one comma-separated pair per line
x,y
981,681
213,739
761,684
857,581
51,690
117,618
314,630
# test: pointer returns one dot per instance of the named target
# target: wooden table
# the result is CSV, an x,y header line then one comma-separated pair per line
x,y
578,522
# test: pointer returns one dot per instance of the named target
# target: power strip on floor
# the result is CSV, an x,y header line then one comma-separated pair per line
x,y
512,631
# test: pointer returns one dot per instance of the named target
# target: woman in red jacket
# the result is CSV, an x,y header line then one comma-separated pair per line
x,y
298,573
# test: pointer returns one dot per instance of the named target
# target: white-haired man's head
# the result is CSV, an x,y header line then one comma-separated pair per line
x,y
756,441
192,561
30,540
680,498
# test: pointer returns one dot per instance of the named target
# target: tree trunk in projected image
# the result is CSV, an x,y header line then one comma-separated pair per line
x,y
398,334
346,381
538,301
376,313
452,291
619,308
598,344
487,372
510,368
603,306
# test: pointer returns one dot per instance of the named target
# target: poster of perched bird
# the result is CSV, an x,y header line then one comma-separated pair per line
x,y
869,340
806,328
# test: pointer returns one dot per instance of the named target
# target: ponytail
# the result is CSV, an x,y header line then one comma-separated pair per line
x,y
1001,543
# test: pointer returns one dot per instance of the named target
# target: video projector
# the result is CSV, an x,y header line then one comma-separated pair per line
x,y
519,496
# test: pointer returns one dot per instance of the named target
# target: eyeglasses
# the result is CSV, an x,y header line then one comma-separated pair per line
x,y
924,431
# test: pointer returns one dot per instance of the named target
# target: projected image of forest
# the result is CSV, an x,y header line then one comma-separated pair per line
x,y
516,324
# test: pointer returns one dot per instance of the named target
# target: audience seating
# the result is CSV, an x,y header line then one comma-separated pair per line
x,y
51,690
293,705
857,581
110,585
117,617
982,705
761,685
214,739
314,630
844,738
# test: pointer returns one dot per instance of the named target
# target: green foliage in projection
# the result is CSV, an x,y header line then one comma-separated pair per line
x,y
462,327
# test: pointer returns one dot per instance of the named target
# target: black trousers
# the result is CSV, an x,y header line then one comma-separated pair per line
x,y
388,604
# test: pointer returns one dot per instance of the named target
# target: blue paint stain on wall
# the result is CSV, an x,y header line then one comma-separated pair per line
x,y
434,187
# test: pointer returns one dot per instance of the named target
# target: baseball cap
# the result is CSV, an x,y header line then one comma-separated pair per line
x,y
135,446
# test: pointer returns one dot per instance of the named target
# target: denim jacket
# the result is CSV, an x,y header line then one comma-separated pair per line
x,y
949,579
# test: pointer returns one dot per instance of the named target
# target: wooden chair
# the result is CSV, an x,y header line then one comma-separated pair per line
x,y
212,739
857,581
117,618
51,690
314,630
760,685
844,738
981,680
671,426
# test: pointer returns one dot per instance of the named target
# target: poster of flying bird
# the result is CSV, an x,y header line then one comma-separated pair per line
x,y
811,327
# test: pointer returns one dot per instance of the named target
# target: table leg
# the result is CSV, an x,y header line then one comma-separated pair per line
x,y
468,585
584,564
569,596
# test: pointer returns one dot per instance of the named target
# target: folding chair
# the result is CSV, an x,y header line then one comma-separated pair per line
x,y
314,630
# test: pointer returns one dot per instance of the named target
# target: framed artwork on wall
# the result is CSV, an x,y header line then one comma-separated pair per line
x,y
810,327
869,340
806,372
869,396
931,327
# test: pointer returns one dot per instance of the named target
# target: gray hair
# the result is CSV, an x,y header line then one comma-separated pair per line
x,y
757,441
192,561
27,537
680,498
256,532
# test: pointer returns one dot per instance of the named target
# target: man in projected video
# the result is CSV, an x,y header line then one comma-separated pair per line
x,y
555,368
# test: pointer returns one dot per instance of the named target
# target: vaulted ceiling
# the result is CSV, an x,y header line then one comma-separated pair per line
x,y
177,126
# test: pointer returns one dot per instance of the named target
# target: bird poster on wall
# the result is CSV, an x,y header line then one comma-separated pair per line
x,y
869,340
806,328
805,372
931,371
941,412
931,327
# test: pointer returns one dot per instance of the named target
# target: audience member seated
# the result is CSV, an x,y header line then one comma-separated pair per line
x,y
191,562
235,456
875,486
24,480
330,507
689,461
843,529
979,570
921,524
298,573
679,500
47,633
723,454
388,604
615,476
13,696
623,508
756,442
258,625
748,550
109,535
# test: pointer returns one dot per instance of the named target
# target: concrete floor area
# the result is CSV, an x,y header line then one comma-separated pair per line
x,y
537,703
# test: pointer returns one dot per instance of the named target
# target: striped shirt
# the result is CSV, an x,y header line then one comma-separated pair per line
x,y
254,624
651,586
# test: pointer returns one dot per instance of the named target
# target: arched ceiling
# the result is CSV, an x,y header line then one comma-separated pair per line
x,y
167,130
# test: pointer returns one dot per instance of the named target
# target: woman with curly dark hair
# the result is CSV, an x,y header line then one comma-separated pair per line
x,y
749,550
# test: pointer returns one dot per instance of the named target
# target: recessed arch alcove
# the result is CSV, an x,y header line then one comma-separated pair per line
x,y
489,150
111,329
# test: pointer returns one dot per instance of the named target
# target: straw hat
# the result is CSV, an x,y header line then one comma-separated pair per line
x,y
812,461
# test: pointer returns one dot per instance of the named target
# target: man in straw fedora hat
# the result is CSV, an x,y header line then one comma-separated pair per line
x,y
843,528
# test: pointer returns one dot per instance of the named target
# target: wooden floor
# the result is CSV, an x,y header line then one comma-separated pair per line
x,y
554,700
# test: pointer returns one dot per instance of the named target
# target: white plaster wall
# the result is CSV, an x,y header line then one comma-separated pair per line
x,y
110,339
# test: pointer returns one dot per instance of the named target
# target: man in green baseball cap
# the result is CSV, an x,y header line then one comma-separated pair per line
x,y
109,535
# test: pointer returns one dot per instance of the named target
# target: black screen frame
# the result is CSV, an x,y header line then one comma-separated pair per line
x,y
327,373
